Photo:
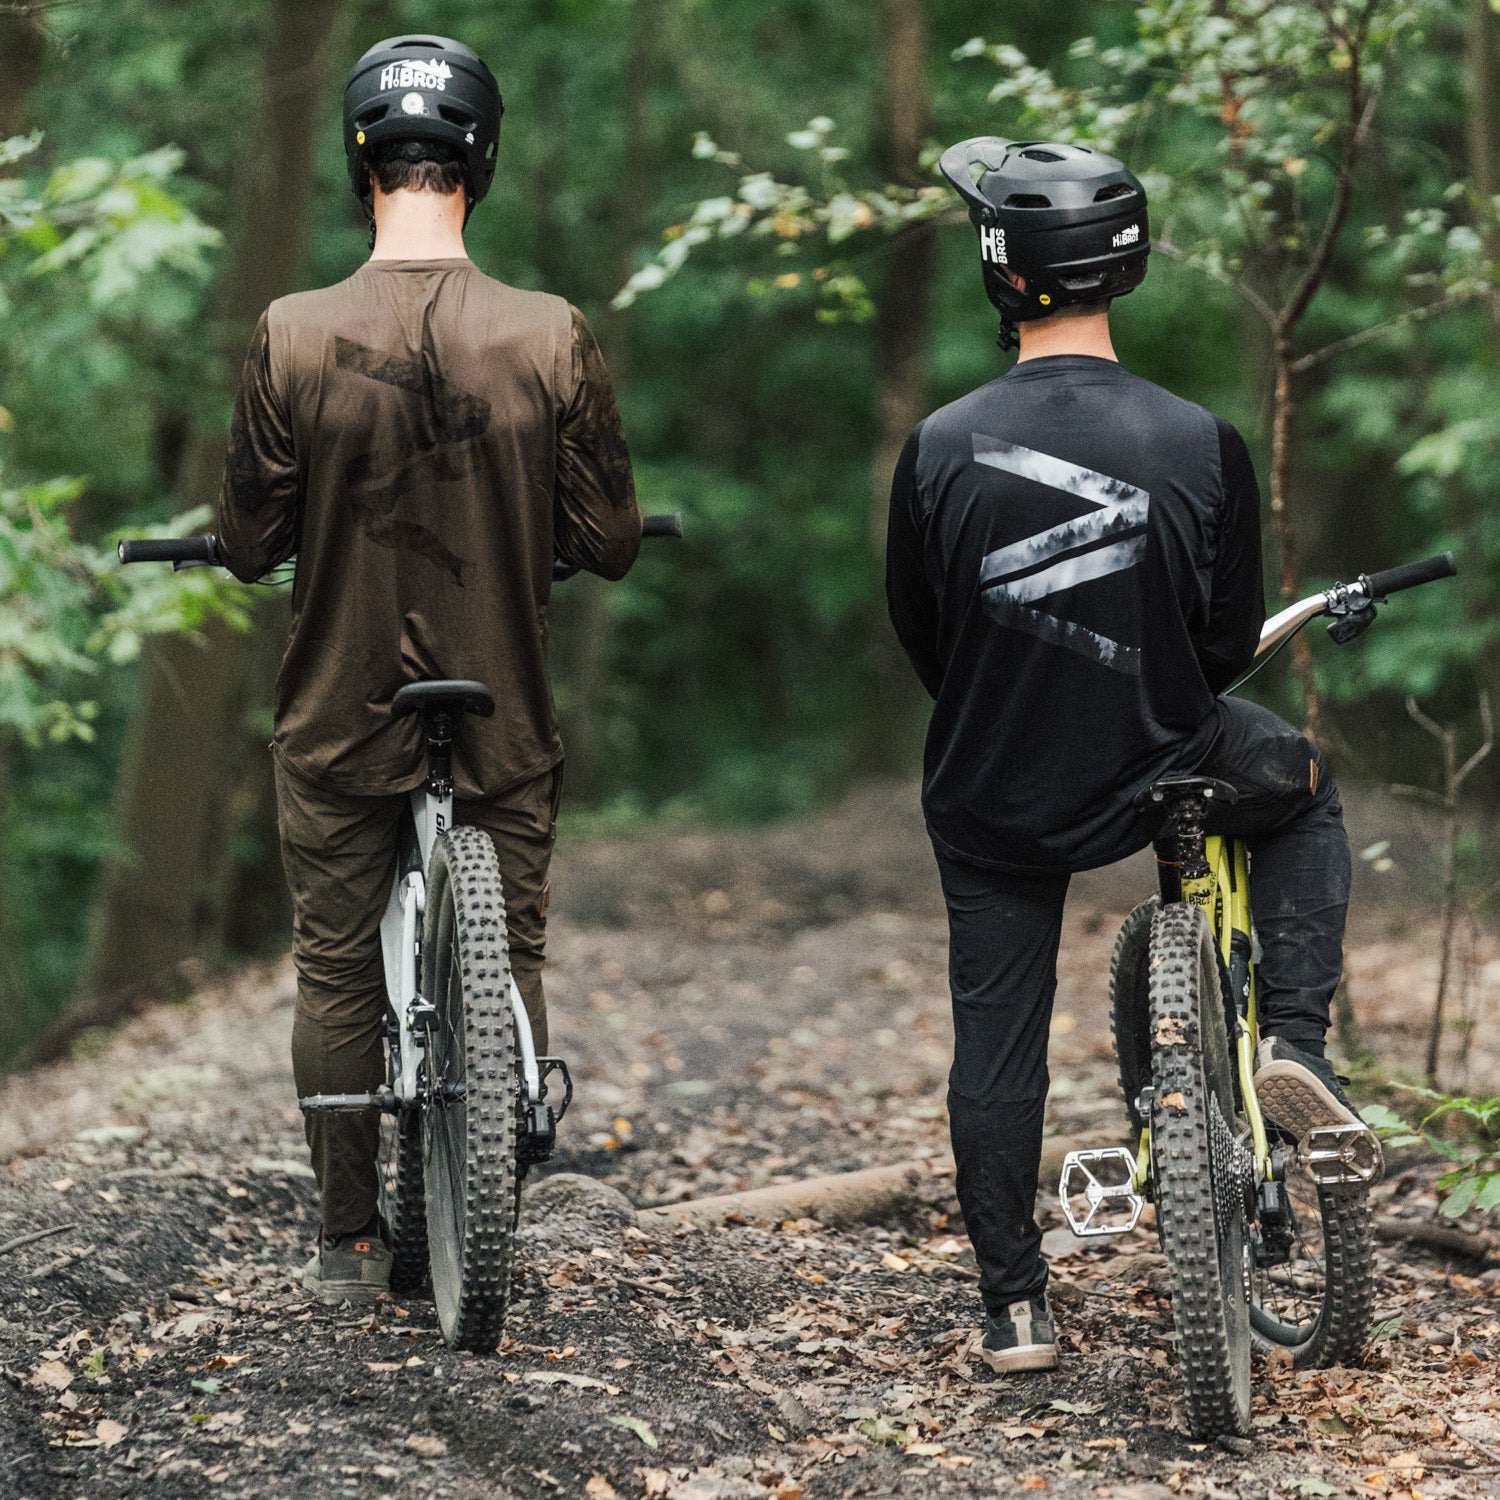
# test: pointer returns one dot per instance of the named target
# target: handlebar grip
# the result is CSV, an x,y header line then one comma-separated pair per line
x,y
172,549
662,525
1408,575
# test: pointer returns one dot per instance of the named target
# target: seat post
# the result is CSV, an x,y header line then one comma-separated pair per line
x,y
1179,846
437,723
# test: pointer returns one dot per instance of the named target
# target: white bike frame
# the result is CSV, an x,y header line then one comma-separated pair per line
x,y
401,943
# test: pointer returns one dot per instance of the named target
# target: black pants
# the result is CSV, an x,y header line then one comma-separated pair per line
x,y
1002,964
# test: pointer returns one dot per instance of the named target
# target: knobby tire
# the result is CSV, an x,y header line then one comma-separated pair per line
x,y
469,1144
403,1198
1200,1171
1330,1323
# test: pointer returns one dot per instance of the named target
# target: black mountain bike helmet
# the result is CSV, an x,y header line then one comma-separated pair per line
x,y
430,96
1069,219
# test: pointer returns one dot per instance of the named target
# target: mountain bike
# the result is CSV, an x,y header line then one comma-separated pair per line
x,y
467,1108
1267,1238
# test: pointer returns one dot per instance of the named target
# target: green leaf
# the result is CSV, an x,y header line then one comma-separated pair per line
x,y
1489,1193
1461,1199
641,1429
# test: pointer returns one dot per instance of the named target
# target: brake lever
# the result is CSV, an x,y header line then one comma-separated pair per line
x,y
1345,627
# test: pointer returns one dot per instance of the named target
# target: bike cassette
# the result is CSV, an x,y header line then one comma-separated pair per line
x,y
1104,1179
1341,1155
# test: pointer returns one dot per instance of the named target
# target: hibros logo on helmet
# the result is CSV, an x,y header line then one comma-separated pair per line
x,y
992,246
1128,236
416,74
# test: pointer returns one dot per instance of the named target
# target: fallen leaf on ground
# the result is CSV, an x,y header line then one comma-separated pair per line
x,y
110,1432
425,1445
563,1377
599,1488
52,1375
641,1429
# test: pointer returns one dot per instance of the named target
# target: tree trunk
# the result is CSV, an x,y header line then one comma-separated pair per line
x,y
150,910
1287,569
1479,126
903,330
595,623
23,47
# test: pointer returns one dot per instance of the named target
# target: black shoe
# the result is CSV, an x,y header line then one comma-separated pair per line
x,y
349,1267
1023,1337
1301,1092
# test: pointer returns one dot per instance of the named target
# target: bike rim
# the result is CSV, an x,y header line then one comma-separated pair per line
x,y
446,1129
1288,1300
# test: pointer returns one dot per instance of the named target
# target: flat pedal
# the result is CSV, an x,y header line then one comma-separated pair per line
x,y
1098,1193
1342,1155
347,1104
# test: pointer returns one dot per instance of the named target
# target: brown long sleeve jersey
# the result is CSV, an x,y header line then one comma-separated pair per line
x,y
424,439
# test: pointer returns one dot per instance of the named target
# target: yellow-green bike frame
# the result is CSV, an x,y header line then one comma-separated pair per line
x,y
1223,894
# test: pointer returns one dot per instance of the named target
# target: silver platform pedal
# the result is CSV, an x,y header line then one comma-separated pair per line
x,y
1342,1155
343,1104
1098,1193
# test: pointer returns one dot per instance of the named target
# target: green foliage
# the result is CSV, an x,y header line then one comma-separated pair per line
x,y
1473,1179
114,223
71,608
781,214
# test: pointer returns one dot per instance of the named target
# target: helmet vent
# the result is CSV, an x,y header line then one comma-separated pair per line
x,y
1114,190
459,117
1028,200
1037,153
372,116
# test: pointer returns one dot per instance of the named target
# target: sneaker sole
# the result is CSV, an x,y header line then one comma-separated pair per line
x,y
1297,1102
1018,1360
332,1293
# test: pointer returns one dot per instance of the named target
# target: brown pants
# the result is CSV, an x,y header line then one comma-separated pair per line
x,y
339,852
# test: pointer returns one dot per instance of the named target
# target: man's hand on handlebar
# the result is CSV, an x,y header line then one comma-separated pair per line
x,y
670,525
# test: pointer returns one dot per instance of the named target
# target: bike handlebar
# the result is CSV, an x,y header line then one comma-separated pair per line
x,y
203,551
181,550
1408,576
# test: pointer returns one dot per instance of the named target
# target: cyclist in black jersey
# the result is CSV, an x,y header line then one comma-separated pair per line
x,y
1074,569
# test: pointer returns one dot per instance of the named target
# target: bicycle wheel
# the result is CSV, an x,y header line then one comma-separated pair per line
x,y
469,1114
1202,1170
403,1201
1312,1289
1130,1005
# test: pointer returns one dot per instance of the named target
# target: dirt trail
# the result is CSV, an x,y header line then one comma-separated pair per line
x,y
738,1009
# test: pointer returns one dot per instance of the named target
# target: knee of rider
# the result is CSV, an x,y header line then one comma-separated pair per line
x,y
347,1011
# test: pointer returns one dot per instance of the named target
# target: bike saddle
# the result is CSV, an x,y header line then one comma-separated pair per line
x,y
456,696
1170,790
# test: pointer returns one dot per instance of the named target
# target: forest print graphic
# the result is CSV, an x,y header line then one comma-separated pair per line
x,y
1013,578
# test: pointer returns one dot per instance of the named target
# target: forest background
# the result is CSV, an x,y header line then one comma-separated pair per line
x,y
757,176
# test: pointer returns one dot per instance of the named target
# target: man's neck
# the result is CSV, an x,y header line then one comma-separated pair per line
x,y
419,226
1048,336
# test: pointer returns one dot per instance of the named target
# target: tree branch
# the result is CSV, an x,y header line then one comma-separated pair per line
x,y
1365,335
1241,289
1361,114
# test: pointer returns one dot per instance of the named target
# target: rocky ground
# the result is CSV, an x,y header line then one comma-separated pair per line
x,y
739,1010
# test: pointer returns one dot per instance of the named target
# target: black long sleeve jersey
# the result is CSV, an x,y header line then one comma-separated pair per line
x,y
1074,568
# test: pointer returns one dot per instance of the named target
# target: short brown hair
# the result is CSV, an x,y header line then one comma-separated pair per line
x,y
395,174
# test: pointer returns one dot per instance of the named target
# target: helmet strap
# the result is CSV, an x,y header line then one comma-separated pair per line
x,y
1009,337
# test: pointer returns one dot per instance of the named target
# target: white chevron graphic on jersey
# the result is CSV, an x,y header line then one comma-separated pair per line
x,y
1104,541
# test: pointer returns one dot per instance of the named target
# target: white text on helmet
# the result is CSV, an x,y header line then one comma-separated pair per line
x,y
992,246
1127,236
416,74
